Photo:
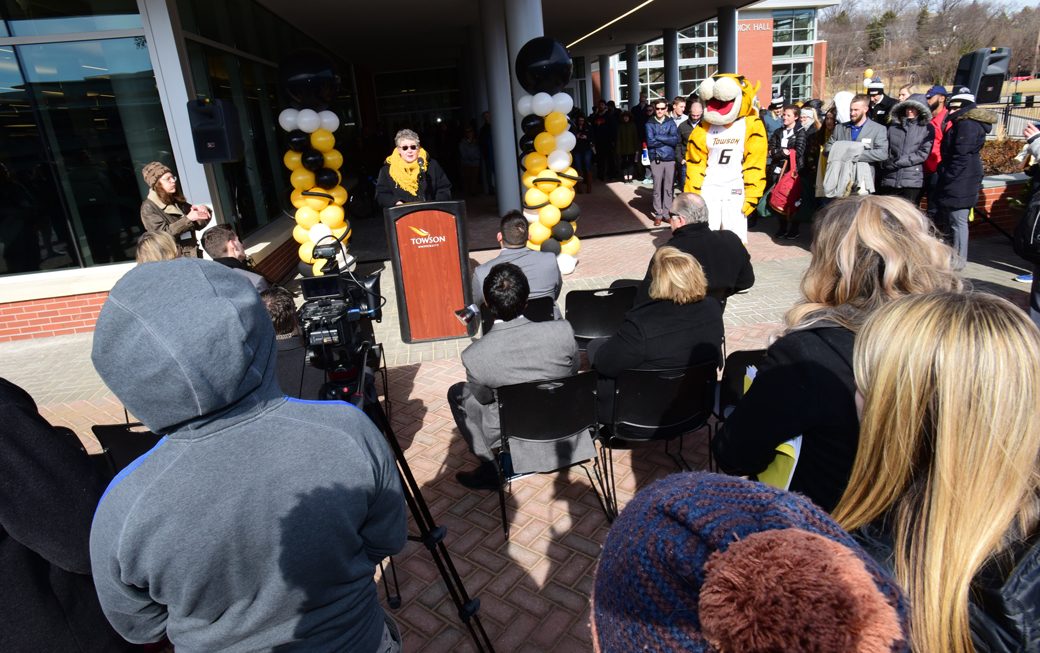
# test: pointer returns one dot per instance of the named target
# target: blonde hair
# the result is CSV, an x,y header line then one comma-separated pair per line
x,y
868,251
909,88
156,246
677,277
948,447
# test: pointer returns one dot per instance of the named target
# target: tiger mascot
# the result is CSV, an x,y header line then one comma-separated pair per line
x,y
726,155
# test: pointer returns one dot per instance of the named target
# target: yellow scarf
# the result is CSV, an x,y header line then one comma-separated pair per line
x,y
406,175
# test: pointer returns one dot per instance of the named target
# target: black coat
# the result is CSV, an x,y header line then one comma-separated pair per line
x,y
296,376
804,387
909,144
724,259
433,186
776,154
960,170
881,111
49,489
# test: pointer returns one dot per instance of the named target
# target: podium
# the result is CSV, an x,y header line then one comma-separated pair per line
x,y
430,259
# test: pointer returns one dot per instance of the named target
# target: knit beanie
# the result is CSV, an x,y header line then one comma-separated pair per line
x,y
706,563
153,172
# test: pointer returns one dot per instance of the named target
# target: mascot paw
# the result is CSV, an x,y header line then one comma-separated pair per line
x,y
749,208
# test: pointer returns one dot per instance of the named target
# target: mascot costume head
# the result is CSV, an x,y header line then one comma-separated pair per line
x,y
726,154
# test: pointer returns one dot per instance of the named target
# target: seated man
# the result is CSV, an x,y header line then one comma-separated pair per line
x,y
224,247
296,376
257,522
723,258
515,351
543,275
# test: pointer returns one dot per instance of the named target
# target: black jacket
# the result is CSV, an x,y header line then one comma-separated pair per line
x,y
804,387
296,376
49,490
881,111
777,157
909,144
258,280
724,259
433,186
686,128
960,170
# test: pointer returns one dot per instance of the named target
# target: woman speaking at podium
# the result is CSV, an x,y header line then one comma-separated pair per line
x,y
409,175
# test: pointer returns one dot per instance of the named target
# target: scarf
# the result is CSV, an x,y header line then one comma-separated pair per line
x,y
406,175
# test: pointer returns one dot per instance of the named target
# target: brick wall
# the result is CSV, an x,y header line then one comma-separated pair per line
x,y
50,317
995,202
819,70
755,55
278,263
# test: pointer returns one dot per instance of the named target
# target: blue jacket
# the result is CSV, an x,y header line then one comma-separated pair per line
x,y
661,139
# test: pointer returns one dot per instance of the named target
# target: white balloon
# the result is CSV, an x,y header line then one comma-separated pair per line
x,y
542,104
559,161
329,120
308,120
532,216
565,142
566,263
287,119
523,106
319,231
563,103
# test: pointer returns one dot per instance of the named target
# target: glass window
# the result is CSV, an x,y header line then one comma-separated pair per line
x,y
786,51
794,25
794,80
36,17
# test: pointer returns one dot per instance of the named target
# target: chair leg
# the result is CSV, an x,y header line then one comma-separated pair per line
x,y
502,505
677,458
608,471
711,458
599,482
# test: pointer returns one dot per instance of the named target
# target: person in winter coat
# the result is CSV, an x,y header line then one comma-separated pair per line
x,y
604,128
936,97
773,118
662,136
469,158
805,386
165,209
582,152
960,169
694,113
880,104
789,138
410,175
945,484
910,138
628,145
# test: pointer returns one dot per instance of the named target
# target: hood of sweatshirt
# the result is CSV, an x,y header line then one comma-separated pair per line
x,y
842,104
180,341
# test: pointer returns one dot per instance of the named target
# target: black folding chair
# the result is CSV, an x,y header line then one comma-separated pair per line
x,y
598,313
539,309
122,444
731,388
654,405
549,413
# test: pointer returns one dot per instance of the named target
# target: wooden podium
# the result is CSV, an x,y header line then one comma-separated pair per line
x,y
430,259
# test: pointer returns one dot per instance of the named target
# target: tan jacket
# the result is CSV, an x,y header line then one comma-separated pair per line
x,y
172,218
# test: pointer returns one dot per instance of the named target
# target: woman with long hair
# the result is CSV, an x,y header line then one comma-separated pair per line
x,y
166,209
867,251
946,480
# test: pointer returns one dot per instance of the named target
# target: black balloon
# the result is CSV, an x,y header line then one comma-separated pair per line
x,y
313,160
532,125
543,66
551,245
570,214
309,78
305,269
326,178
562,230
526,143
299,140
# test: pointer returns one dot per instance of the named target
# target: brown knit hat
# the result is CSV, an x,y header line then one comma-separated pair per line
x,y
153,172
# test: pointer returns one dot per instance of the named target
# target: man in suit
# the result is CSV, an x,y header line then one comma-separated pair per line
x,y
515,351
540,268
861,128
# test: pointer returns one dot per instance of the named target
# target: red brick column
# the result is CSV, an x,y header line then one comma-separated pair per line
x,y
755,55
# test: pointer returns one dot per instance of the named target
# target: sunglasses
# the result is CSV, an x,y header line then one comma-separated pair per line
x,y
660,108
405,148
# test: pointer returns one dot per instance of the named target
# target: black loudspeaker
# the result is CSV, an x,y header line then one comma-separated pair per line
x,y
983,71
215,130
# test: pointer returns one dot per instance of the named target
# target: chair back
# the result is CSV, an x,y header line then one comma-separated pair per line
x,y
598,313
539,309
544,411
663,404
122,444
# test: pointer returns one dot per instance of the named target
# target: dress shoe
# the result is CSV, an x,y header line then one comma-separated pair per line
x,y
484,477
657,222
792,235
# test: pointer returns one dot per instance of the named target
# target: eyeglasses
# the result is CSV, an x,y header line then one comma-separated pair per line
x,y
405,148
170,178
675,215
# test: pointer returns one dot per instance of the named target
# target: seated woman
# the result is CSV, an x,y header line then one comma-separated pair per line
x,y
409,175
946,482
167,210
867,251
156,246
678,327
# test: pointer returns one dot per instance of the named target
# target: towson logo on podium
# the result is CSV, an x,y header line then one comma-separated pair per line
x,y
426,240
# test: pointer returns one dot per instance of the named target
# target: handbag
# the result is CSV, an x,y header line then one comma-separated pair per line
x,y
787,193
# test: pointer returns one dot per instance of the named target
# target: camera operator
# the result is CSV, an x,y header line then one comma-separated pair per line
x,y
296,377
257,522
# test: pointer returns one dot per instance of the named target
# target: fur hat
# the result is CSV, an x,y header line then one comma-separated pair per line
x,y
153,172
709,563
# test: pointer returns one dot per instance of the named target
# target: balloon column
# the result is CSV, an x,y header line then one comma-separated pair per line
x,y
311,81
543,68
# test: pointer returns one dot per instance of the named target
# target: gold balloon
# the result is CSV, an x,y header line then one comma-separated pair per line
x,y
869,72
535,162
544,143
292,160
323,140
339,231
528,179
569,172
549,216
302,179
318,263
333,159
570,246
332,216
562,197
307,252
531,245
300,234
546,181
297,199
556,123
339,195
315,202
538,233
306,217
534,197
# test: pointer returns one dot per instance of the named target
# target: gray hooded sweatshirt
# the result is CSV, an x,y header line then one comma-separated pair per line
x,y
256,523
